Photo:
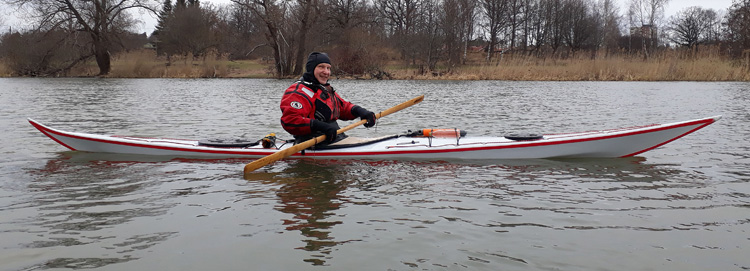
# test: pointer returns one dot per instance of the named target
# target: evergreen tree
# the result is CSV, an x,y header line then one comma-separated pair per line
x,y
180,4
162,26
164,14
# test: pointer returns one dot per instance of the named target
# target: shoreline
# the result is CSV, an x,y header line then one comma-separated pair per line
x,y
706,67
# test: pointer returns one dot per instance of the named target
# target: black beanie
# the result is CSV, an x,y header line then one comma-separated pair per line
x,y
314,59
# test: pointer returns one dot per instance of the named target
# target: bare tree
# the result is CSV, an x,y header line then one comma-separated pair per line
x,y
430,38
610,17
579,27
556,18
304,12
738,28
692,26
353,36
42,53
536,24
468,16
457,26
347,14
529,14
242,32
401,18
272,14
286,25
647,15
191,29
102,20
647,12
494,12
515,8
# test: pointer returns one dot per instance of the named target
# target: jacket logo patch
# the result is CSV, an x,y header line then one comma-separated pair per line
x,y
296,105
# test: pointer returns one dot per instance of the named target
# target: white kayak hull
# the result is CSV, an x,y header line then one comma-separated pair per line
x,y
623,142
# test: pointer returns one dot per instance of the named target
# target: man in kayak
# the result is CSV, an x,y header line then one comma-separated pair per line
x,y
310,106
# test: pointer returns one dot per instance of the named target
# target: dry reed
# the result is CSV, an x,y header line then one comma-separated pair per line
x,y
670,65
4,70
145,63
706,64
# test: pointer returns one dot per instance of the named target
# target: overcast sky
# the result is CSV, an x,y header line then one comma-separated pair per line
x,y
11,17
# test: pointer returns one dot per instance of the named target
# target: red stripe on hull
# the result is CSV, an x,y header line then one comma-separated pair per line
x,y
665,142
311,153
45,132
705,122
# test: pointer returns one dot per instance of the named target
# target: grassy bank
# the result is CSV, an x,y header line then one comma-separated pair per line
x,y
706,65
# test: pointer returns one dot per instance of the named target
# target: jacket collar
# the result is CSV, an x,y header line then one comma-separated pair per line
x,y
310,81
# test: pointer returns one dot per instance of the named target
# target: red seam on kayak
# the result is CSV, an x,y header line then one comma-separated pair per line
x,y
705,122
663,143
44,131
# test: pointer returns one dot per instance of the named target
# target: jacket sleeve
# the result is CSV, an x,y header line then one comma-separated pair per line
x,y
296,109
346,108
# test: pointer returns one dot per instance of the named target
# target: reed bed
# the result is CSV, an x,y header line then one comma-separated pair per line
x,y
4,70
706,65
145,63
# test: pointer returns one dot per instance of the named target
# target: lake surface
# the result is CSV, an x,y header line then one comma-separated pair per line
x,y
683,206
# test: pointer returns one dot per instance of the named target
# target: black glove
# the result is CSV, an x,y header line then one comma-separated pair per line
x,y
365,115
326,128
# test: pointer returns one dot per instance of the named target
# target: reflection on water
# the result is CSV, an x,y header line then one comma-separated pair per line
x,y
310,191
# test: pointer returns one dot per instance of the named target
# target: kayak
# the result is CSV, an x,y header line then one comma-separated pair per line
x,y
445,144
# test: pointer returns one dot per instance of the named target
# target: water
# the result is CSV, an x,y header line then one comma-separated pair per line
x,y
683,206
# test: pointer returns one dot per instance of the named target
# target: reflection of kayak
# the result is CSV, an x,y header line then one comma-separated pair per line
x,y
622,142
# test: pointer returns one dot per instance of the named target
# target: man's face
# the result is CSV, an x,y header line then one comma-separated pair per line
x,y
322,72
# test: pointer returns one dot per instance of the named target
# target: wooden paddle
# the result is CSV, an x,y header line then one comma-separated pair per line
x,y
250,167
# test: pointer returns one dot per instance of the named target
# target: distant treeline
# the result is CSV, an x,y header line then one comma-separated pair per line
x,y
363,35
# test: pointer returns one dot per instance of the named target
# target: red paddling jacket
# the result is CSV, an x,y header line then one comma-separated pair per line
x,y
304,101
